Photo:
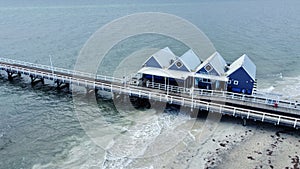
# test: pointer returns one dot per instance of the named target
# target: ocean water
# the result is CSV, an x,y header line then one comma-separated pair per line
x,y
39,126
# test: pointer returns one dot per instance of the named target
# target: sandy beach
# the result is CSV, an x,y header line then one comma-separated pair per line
x,y
220,144
265,146
255,145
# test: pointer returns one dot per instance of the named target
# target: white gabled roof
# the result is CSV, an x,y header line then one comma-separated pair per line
x,y
245,62
164,57
216,61
190,60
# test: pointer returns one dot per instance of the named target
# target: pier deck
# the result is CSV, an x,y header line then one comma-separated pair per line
x,y
254,107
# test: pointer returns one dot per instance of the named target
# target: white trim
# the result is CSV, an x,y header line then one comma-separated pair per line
x,y
211,68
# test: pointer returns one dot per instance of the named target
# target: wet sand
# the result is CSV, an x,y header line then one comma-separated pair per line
x,y
232,145
267,146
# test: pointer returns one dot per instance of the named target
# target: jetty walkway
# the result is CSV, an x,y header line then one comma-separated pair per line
x,y
261,107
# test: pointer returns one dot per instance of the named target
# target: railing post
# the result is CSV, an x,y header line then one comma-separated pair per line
x,y
192,105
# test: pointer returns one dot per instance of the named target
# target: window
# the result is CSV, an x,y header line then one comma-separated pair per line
x,y
236,82
208,68
178,64
206,80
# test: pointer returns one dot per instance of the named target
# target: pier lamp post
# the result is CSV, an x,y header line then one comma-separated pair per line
x,y
50,57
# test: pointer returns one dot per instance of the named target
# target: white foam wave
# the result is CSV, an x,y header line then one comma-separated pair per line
x,y
148,137
267,90
289,87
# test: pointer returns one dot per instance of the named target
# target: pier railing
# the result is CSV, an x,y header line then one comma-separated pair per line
x,y
53,70
194,92
258,98
196,103
189,99
227,95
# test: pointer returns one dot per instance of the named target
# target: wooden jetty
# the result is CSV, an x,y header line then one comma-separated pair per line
x,y
255,107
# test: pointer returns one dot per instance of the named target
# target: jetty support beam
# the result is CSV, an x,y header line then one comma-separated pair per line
x,y
12,75
244,122
60,85
36,80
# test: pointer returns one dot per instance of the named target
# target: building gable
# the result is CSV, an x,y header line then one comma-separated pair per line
x,y
240,74
216,65
245,62
208,69
152,62
179,65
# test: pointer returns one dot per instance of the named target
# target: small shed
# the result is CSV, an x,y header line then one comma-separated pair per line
x,y
241,75
214,65
189,61
161,59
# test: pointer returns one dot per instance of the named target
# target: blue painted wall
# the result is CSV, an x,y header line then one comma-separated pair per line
x,y
245,84
152,62
212,72
182,68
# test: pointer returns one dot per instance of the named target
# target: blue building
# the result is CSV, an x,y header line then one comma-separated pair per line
x,y
164,68
241,75
213,66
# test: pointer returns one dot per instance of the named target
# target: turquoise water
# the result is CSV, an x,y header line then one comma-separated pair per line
x,y
38,126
